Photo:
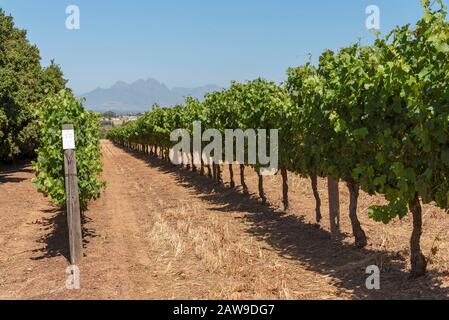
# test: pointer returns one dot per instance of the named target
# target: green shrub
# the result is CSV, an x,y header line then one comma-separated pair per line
x,y
56,110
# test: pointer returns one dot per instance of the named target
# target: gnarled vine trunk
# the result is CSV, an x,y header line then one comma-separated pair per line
x,y
219,178
284,174
231,175
167,154
202,171
316,194
214,172
359,234
194,169
209,171
261,191
418,261
242,179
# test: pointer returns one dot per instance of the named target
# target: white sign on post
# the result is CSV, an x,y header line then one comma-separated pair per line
x,y
68,139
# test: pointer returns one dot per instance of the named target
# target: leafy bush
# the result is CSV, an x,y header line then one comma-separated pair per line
x,y
56,110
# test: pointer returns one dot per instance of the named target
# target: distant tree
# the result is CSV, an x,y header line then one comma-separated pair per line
x,y
52,79
109,115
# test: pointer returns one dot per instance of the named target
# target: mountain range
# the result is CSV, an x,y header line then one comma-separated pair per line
x,y
140,95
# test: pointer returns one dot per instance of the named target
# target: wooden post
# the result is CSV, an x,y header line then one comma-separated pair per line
x,y
334,206
72,195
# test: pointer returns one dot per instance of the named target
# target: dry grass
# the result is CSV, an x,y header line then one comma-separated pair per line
x,y
163,235
253,268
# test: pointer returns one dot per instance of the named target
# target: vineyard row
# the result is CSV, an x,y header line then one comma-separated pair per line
x,y
375,117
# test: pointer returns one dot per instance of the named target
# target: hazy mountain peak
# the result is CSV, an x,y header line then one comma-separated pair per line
x,y
140,95
120,84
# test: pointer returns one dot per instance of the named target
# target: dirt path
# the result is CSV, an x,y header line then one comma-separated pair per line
x,y
157,235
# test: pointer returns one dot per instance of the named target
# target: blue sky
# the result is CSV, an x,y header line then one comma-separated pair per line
x,y
193,43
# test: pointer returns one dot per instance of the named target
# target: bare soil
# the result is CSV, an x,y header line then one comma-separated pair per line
x,y
161,233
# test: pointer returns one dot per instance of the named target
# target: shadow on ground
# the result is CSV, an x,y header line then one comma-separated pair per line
x,y
56,239
310,245
8,173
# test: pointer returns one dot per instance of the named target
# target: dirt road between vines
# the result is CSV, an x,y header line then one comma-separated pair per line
x,y
158,234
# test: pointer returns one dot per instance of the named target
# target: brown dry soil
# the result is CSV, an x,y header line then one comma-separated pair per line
x,y
158,234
